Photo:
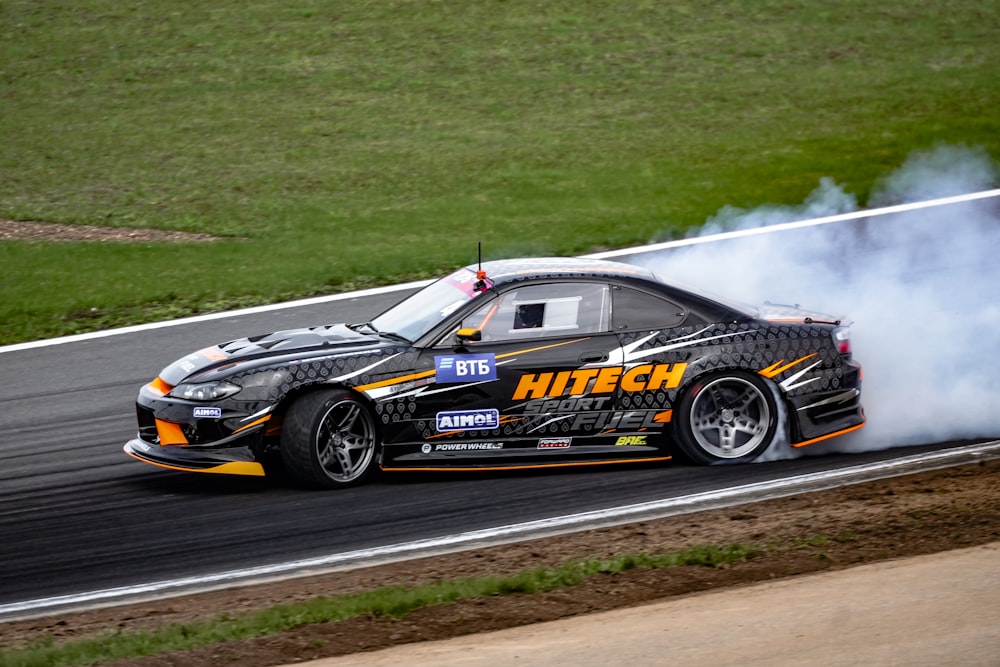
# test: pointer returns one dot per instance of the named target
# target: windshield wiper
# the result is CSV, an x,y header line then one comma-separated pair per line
x,y
361,325
392,335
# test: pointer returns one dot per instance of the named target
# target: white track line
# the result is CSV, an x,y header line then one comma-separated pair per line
x,y
374,291
856,215
842,217
514,532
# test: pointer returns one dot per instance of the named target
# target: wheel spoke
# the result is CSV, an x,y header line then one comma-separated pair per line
x,y
727,439
346,423
745,399
709,422
352,442
718,399
326,452
749,426
344,458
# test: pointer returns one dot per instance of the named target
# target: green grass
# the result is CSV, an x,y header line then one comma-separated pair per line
x,y
334,144
389,601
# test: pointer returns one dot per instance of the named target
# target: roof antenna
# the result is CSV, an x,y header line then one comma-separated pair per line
x,y
480,285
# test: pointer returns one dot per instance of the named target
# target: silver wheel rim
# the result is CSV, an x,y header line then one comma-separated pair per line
x,y
345,441
730,418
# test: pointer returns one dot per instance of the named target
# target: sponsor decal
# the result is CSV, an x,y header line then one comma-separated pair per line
x,y
425,448
466,446
632,420
466,281
465,368
630,440
468,420
215,413
554,443
544,406
606,380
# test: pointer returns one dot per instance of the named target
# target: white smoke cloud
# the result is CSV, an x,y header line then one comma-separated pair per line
x,y
921,287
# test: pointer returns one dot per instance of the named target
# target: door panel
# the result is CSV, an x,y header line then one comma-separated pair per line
x,y
535,386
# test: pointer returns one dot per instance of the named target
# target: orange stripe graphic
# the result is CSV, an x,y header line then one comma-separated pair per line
x,y
426,374
776,368
252,424
827,436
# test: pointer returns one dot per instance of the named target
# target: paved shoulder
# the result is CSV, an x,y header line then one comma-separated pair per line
x,y
928,610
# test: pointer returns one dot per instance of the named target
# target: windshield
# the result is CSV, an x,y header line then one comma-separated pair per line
x,y
418,314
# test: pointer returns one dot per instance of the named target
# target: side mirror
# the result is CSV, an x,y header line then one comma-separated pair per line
x,y
469,336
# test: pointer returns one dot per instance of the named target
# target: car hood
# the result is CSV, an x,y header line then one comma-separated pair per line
x,y
260,350
776,312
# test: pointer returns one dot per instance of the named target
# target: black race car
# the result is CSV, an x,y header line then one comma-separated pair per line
x,y
513,364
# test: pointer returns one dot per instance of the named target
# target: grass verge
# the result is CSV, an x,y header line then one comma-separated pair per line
x,y
390,601
335,143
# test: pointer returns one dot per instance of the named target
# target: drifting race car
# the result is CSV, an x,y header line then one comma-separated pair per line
x,y
511,364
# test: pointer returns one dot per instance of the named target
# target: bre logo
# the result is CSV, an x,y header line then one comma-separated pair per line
x,y
466,368
214,413
554,443
468,420
630,440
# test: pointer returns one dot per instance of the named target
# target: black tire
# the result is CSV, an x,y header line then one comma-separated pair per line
x,y
730,417
328,440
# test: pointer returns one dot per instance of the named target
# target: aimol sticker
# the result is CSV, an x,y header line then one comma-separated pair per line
x,y
468,420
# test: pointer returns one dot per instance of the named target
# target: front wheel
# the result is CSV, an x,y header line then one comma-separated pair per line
x,y
731,417
328,439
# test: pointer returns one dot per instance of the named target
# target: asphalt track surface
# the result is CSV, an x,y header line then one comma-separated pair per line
x,y
77,515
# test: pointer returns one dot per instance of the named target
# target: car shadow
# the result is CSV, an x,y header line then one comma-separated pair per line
x,y
276,478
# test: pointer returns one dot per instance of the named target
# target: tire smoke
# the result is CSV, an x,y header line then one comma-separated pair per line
x,y
921,288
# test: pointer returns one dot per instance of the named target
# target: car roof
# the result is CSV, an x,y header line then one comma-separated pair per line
x,y
509,270
506,271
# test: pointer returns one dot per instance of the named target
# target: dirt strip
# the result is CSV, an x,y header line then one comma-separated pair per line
x,y
21,230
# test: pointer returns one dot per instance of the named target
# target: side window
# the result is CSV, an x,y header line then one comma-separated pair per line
x,y
632,309
535,311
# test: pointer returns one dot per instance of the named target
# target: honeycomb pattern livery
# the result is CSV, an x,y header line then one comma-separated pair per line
x,y
342,369
399,385
752,347
395,411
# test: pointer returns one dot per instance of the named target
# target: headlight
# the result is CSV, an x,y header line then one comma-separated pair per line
x,y
205,391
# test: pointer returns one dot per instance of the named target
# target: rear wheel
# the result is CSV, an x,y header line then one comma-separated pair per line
x,y
729,417
328,439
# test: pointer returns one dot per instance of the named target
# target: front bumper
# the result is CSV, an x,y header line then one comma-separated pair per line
x,y
221,437
228,461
